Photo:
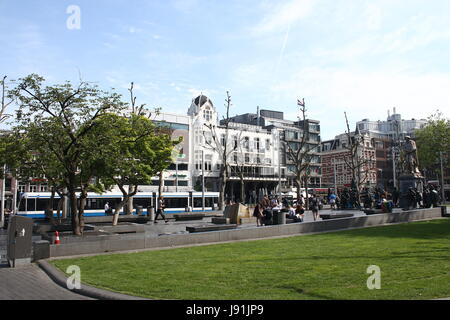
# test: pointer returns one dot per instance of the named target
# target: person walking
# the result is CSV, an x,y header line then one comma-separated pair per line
x,y
315,207
160,210
108,209
258,214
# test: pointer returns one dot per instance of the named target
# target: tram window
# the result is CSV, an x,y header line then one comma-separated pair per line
x,y
41,204
175,202
31,205
143,202
198,202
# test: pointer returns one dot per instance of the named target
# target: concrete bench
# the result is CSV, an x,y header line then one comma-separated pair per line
x,y
189,216
220,220
373,211
206,228
336,216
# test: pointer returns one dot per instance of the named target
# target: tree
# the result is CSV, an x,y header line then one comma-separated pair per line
x,y
4,104
241,163
431,140
301,153
359,164
62,117
222,148
133,151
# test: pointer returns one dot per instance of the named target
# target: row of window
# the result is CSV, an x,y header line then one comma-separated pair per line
x,y
99,203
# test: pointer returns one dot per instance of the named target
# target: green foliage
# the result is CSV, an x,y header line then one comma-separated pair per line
x,y
433,139
131,150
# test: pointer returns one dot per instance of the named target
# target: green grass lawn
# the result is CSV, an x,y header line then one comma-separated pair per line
x,y
414,259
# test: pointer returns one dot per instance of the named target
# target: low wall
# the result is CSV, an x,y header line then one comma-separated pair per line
x,y
139,241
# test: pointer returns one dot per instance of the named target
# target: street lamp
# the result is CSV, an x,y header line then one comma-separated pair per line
x,y
381,177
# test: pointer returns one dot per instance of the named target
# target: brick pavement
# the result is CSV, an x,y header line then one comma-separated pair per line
x,y
31,283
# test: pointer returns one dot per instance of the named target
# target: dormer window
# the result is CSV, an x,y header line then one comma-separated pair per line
x,y
207,114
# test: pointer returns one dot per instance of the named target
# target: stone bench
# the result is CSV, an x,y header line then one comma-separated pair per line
x,y
206,228
373,211
189,216
328,216
220,220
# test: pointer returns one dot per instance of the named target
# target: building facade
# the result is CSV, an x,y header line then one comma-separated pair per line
x,y
335,158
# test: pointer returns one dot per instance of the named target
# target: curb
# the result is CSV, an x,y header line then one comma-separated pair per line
x,y
60,279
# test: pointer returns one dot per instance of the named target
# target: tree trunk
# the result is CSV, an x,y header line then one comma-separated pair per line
x,y
59,208
299,189
222,193
307,193
242,191
76,227
129,204
117,210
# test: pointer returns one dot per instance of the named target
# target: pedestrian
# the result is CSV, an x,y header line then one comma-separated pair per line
x,y
315,207
332,201
395,196
160,211
258,214
108,209
300,212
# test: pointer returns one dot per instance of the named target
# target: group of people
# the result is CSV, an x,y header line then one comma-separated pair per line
x,y
380,199
428,198
264,209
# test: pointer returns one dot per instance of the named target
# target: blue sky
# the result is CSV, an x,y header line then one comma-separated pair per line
x,y
362,57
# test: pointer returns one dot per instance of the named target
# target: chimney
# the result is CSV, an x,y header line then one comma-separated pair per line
x,y
257,115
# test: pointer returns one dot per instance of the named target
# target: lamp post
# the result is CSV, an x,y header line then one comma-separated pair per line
x,y
393,168
203,180
334,172
2,208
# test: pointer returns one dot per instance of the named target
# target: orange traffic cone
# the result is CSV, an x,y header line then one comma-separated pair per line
x,y
57,241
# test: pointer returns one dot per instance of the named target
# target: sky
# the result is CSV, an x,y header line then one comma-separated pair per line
x,y
356,56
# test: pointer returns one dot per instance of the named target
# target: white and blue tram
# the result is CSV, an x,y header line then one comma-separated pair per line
x,y
34,204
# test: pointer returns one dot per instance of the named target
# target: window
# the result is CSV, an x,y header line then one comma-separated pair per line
x,y
257,143
222,140
247,143
235,139
207,114
268,144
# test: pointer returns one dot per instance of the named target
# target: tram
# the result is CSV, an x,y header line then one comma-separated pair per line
x,y
34,204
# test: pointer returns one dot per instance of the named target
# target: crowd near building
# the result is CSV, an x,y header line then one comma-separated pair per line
x,y
256,154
